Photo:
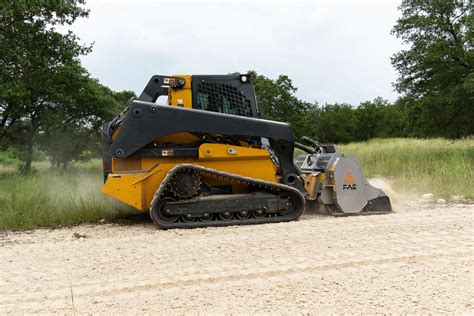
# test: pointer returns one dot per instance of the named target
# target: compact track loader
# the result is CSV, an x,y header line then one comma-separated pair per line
x,y
207,159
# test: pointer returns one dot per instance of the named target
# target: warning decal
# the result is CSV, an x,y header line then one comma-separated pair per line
x,y
349,182
349,179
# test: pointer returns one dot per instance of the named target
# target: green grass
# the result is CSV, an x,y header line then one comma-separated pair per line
x,y
52,199
7,158
439,166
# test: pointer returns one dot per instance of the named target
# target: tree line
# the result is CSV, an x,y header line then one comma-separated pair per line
x,y
49,101
330,123
436,81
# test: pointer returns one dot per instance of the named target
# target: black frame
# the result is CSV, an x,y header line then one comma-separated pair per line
x,y
159,85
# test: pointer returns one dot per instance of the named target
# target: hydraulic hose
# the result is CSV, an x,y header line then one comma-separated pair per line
x,y
304,148
314,143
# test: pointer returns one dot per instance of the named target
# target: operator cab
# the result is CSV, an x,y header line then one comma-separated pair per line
x,y
229,94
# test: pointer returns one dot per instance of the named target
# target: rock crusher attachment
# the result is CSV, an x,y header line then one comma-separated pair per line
x,y
207,159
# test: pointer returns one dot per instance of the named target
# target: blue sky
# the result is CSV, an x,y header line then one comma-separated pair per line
x,y
333,50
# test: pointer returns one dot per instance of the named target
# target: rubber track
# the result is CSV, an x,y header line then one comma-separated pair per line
x,y
296,197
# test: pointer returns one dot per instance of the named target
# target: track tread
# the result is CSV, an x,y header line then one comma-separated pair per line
x,y
297,196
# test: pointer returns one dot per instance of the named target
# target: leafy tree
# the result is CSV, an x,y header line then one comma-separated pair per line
x,y
436,71
370,119
75,135
38,63
379,118
336,123
394,121
277,101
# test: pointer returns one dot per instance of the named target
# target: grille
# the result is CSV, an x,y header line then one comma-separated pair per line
x,y
222,98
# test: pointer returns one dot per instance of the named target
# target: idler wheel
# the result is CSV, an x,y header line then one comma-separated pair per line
x,y
160,213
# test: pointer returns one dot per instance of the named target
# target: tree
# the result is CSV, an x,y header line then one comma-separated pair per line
x,y
370,119
277,101
75,135
436,71
379,118
38,63
336,123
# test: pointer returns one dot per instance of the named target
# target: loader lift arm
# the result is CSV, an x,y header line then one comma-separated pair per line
x,y
147,122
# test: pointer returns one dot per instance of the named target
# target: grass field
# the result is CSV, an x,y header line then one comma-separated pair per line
x,y
438,166
51,199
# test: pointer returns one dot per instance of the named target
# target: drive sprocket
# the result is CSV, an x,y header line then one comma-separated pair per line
x,y
186,184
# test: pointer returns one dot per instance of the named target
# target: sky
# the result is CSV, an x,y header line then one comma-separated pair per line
x,y
333,50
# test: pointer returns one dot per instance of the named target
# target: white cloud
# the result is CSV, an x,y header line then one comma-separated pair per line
x,y
333,50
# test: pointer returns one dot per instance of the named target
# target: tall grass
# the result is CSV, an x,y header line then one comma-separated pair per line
x,y
51,198
439,166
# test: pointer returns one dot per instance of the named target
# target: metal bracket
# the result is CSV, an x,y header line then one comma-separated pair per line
x,y
159,85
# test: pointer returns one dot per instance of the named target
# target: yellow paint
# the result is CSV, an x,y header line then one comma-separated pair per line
x,y
331,171
182,96
179,138
310,184
122,188
137,188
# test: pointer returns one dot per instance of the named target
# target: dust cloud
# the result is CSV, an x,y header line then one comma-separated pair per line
x,y
400,202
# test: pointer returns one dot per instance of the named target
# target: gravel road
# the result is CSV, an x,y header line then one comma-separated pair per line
x,y
419,259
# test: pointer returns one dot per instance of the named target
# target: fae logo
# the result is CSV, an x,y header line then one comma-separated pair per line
x,y
349,182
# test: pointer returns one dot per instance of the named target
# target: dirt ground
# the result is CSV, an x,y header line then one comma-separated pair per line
x,y
419,259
